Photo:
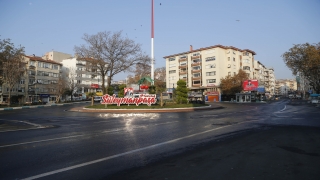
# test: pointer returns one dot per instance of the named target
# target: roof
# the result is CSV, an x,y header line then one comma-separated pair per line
x,y
37,58
211,47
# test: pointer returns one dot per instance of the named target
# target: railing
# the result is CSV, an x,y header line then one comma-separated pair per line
x,y
183,59
195,71
196,85
196,78
196,57
196,64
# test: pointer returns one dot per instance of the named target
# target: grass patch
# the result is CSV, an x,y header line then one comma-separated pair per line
x,y
144,106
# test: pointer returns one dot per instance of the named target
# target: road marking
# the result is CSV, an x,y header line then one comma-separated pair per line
x,y
30,142
72,125
125,153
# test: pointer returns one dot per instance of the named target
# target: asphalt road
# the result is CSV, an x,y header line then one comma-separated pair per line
x,y
59,144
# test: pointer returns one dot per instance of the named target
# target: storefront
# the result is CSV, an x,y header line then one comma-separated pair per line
x,y
212,96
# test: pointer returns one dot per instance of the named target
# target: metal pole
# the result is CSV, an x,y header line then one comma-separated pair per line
x,y
152,37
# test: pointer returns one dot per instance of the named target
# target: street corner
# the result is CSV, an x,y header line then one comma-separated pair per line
x,y
15,125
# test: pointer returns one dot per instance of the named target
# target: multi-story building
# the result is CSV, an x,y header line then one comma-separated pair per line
x,y
203,68
285,86
56,56
87,78
38,83
42,79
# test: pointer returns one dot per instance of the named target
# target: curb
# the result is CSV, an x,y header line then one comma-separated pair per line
x,y
145,110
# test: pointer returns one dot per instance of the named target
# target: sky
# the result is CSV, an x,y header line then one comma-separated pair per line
x,y
269,28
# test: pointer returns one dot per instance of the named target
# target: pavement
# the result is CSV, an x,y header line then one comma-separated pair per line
x,y
275,152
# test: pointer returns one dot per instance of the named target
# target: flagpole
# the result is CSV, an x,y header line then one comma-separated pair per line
x,y
152,37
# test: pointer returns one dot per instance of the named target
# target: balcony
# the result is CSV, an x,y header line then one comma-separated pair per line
x,y
196,78
183,59
196,64
196,57
196,85
182,72
32,67
185,79
80,64
196,71
183,66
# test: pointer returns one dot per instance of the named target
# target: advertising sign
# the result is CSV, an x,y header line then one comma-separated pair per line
x,y
250,85
95,86
142,99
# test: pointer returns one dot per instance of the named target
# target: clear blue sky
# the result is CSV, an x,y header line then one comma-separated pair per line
x,y
269,28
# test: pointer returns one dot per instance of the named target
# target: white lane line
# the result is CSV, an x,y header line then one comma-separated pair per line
x,y
45,140
125,153
30,142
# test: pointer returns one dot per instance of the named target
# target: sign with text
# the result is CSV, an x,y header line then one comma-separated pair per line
x,y
142,99
250,85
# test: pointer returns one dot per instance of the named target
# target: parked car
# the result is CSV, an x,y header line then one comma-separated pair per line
x,y
97,98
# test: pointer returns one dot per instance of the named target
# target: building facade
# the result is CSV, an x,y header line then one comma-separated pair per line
x,y
203,68
87,78
38,84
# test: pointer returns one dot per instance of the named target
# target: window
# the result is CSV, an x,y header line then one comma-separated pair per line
x,y
196,75
55,66
32,81
246,68
46,73
172,59
229,73
196,82
212,73
55,75
209,66
196,54
22,81
228,58
211,80
32,73
183,64
234,59
45,82
195,61
172,71
47,65
40,73
210,58
32,63
234,73
78,81
50,74
40,64
196,68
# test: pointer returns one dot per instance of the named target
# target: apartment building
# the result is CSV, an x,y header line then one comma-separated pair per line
x,y
87,78
56,56
38,83
41,79
203,68
285,86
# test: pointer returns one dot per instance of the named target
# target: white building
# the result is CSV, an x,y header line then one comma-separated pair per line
x,y
87,78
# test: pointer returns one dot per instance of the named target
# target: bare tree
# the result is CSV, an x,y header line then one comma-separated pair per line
x,y
71,80
12,66
111,54
160,74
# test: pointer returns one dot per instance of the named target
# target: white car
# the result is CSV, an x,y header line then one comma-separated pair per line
x,y
97,98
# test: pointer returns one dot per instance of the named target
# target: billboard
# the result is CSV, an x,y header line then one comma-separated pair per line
x,y
250,85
